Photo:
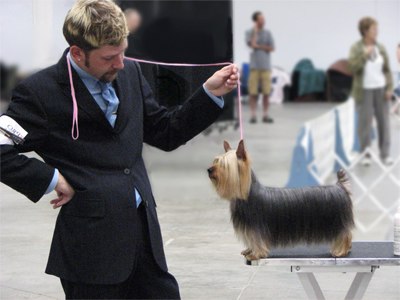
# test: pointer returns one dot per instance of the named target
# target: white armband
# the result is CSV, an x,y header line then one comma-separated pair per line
x,y
10,131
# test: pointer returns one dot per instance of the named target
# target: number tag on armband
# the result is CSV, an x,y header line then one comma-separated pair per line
x,y
11,132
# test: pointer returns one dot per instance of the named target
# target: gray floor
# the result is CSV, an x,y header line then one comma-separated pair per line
x,y
202,250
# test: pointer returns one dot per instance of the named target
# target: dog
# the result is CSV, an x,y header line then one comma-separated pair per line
x,y
266,217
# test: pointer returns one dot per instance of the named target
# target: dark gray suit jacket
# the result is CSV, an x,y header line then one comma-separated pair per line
x,y
94,238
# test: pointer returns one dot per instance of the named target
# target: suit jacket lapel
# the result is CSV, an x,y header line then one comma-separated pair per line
x,y
84,99
120,85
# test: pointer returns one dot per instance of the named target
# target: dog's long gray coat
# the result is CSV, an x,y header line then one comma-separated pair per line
x,y
287,216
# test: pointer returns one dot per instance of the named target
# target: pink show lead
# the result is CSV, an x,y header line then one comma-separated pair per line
x,y
75,127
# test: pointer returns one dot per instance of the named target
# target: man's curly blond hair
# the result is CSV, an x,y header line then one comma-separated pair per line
x,y
91,24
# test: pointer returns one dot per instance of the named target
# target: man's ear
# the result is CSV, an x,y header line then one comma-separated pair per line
x,y
77,53
241,152
227,147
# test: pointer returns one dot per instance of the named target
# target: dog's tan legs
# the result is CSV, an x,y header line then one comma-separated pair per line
x,y
257,248
245,238
257,253
341,246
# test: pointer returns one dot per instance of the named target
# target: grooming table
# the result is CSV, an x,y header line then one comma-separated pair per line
x,y
364,259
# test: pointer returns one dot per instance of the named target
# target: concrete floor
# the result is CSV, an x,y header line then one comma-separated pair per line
x,y
202,250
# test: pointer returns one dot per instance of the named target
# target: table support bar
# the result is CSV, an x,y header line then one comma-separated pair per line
x,y
311,286
360,284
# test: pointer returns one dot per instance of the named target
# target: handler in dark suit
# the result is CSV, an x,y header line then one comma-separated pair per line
x,y
107,241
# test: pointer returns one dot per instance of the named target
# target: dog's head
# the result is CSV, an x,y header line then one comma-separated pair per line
x,y
230,173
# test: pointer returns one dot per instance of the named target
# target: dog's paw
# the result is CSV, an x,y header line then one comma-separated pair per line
x,y
340,253
252,256
255,256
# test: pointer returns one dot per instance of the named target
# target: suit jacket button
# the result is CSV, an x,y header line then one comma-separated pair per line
x,y
127,171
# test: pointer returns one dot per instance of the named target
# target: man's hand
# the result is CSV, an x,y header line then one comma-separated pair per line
x,y
388,95
64,191
266,48
223,81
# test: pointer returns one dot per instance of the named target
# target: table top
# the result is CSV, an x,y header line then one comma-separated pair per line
x,y
363,253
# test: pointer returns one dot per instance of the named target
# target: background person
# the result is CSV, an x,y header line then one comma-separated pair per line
x,y
133,19
372,88
262,44
397,90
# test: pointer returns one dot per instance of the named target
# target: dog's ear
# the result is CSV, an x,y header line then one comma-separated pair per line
x,y
227,147
241,152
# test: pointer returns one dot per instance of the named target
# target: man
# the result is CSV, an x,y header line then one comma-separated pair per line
x,y
262,43
107,242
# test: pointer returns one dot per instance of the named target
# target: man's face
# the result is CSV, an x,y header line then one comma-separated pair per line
x,y
105,63
260,21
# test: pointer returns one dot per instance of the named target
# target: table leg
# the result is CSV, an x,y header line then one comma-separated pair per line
x,y
311,286
359,285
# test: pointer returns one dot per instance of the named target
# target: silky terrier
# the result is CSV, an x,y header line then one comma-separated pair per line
x,y
265,217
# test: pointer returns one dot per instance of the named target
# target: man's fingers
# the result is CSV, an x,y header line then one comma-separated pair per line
x,y
230,86
55,203
58,202
233,79
227,70
231,82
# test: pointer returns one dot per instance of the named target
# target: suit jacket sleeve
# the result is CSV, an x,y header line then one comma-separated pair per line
x,y
28,176
167,130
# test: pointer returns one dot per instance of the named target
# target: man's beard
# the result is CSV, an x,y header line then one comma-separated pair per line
x,y
109,76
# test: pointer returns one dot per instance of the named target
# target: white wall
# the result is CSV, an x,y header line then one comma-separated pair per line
x,y
31,32
322,30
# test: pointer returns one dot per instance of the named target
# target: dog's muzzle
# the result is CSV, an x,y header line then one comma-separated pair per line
x,y
210,172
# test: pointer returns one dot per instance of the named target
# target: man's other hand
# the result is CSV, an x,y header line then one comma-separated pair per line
x,y
64,191
223,81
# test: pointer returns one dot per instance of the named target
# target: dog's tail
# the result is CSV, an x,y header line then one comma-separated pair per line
x,y
344,181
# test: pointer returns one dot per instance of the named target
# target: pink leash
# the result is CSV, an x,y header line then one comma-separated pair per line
x,y
75,127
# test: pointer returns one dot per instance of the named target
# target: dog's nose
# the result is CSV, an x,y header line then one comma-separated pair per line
x,y
210,170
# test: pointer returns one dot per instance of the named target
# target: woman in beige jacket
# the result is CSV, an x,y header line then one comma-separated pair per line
x,y
372,88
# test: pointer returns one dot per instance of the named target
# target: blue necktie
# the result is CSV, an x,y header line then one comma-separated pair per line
x,y
111,101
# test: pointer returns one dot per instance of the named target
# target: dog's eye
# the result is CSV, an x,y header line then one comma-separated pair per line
x,y
215,161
